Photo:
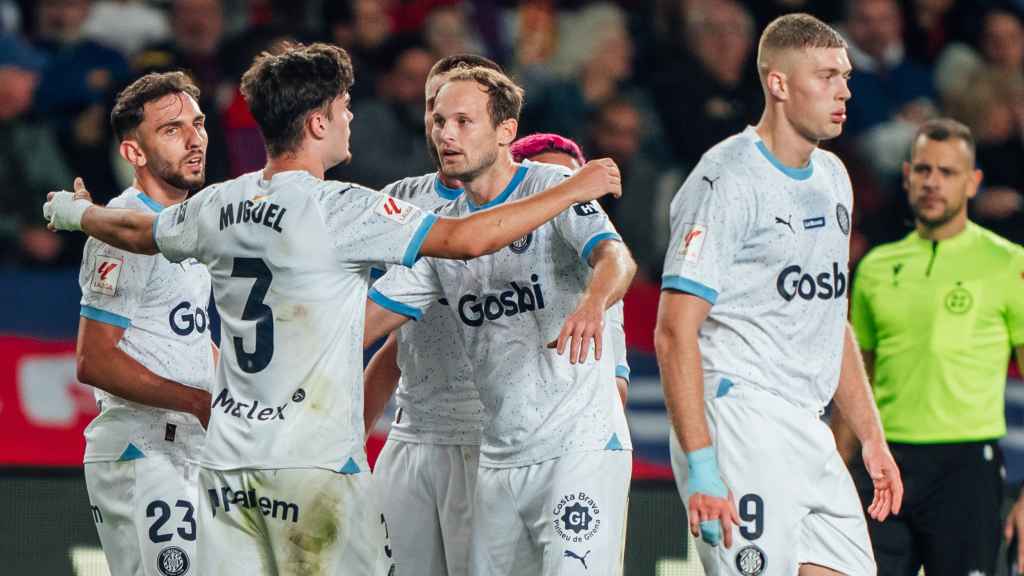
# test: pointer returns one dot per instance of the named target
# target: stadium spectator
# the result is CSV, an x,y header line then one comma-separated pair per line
x,y
593,62
1002,40
886,84
932,25
711,90
126,25
75,88
448,31
388,130
362,28
615,131
936,315
30,161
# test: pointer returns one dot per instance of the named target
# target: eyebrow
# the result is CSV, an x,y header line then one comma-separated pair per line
x,y
179,122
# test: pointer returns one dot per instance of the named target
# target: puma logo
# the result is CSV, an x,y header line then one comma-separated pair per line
x,y
710,182
786,222
582,559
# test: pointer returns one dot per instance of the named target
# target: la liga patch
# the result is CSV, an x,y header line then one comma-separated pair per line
x,y
394,209
106,274
693,242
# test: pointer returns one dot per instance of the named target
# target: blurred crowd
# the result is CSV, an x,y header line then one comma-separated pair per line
x,y
650,83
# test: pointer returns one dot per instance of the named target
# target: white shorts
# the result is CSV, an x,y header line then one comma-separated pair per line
x,y
796,501
426,494
145,513
565,516
289,522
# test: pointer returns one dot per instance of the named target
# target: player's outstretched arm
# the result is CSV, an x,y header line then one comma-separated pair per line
x,y
103,365
490,230
379,381
125,229
712,512
613,270
857,404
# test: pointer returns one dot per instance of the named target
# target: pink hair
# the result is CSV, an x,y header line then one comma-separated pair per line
x,y
529,146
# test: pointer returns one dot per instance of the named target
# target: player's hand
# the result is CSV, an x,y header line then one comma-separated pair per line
x,y
586,323
711,511
712,519
886,477
597,178
1015,528
63,210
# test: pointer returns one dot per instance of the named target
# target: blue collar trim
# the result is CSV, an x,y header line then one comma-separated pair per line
x,y
794,173
444,191
514,183
153,204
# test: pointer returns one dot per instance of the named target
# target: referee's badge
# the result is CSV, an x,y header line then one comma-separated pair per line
x,y
959,301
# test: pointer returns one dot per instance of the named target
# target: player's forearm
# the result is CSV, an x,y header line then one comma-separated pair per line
x,y
682,377
113,371
613,272
379,322
490,230
379,381
854,397
846,440
125,229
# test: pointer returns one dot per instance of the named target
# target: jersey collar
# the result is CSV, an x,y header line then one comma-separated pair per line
x,y
794,173
444,191
514,183
149,202
964,238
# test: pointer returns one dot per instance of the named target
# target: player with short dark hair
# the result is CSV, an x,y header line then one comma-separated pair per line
x,y
143,344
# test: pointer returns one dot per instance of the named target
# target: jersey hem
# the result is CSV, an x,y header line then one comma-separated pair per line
x,y
488,463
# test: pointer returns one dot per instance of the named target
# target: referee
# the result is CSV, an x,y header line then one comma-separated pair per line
x,y
937,315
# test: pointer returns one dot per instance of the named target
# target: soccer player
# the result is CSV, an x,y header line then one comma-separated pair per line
x,y
555,149
143,344
555,453
937,314
283,473
752,339
426,473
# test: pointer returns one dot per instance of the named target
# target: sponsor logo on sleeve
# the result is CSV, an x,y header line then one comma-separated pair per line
x,y
588,208
394,209
106,274
693,242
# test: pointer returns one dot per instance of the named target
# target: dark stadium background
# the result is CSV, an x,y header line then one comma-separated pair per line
x,y
650,83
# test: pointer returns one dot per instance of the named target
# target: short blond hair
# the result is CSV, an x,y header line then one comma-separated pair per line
x,y
795,32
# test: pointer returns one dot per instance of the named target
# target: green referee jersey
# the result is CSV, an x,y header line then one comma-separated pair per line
x,y
941,318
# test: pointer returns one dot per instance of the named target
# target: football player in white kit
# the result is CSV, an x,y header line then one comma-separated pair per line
x,y
425,474
283,474
143,344
752,338
555,452
562,151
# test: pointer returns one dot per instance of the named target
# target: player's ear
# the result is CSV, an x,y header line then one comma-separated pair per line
x,y
132,153
777,85
906,176
316,123
507,131
974,183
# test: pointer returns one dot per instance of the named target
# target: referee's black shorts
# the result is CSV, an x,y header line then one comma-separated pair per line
x,y
950,519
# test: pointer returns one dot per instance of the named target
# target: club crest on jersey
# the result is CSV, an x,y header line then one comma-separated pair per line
x,y
693,242
750,561
576,517
521,245
394,209
588,208
843,219
959,300
106,274
172,561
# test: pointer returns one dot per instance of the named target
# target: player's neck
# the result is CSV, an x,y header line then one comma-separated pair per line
x,y
448,181
944,231
488,185
783,141
161,192
293,161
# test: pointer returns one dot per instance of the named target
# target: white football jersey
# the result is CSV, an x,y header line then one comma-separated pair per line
x,y
436,399
768,247
162,308
290,259
509,305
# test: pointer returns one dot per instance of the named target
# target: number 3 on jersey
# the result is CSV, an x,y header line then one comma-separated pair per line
x,y
255,309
